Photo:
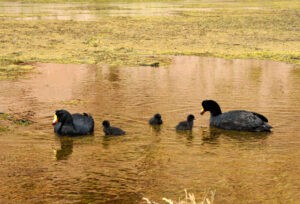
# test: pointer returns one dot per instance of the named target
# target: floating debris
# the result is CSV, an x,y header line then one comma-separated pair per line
x,y
155,64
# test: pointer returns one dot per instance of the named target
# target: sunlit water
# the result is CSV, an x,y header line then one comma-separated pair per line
x,y
94,11
87,11
38,166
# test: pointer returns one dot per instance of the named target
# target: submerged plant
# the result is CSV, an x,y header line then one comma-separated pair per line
x,y
17,118
3,128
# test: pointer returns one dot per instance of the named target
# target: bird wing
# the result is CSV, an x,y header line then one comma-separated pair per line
x,y
83,123
238,120
263,118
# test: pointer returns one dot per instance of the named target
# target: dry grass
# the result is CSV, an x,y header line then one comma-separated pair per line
x,y
188,199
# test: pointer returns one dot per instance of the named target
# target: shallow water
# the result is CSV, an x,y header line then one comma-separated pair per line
x,y
37,166
86,11
94,11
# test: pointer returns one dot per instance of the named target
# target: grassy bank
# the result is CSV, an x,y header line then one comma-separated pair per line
x,y
245,29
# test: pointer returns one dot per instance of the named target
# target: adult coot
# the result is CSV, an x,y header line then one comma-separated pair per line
x,y
240,120
186,125
72,124
109,130
156,120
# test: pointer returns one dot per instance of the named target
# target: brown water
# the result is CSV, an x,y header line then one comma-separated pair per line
x,y
37,166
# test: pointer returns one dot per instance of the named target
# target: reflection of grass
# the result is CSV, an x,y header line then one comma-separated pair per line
x,y
189,199
239,29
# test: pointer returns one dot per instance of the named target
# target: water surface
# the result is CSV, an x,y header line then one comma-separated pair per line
x,y
38,166
94,11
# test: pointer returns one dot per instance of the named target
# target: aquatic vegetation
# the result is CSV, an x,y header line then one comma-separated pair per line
x,y
17,118
23,121
5,116
12,69
3,126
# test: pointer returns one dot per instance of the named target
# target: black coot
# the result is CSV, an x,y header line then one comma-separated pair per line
x,y
240,120
156,120
72,124
109,130
186,125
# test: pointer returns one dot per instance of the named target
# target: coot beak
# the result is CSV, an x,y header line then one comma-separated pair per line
x,y
202,111
55,120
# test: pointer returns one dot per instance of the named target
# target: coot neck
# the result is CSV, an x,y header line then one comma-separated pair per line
x,y
68,121
191,123
59,125
216,111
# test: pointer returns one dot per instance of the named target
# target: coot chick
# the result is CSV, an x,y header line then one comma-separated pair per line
x,y
156,120
109,130
239,120
186,125
69,124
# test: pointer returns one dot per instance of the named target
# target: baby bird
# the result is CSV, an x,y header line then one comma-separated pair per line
x,y
186,125
156,120
109,130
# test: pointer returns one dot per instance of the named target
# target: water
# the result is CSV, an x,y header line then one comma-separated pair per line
x,y
38,166
89,11
94,11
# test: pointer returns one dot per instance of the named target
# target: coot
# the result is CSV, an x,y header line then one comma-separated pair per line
x,y
240,120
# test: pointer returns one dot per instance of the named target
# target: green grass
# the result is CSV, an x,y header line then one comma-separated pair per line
x,y
270,30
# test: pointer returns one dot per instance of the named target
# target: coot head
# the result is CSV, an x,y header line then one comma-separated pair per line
x,y
190,118
211,106
62,116
106,124
157,116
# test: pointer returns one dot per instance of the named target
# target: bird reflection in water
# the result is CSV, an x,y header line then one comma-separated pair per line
x,y
212,135
66,148
188,134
